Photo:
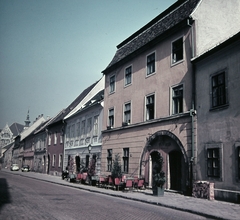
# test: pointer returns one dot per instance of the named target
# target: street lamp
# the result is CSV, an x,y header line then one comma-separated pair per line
x,y
89,148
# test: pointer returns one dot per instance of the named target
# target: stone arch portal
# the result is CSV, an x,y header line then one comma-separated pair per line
x,y
175,160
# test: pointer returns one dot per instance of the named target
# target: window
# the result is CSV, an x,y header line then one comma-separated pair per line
x,y
214,154
109,160
213,162
112,84
127,113
83,129
95,126
54,160
68,133
128,75
49,139
125,159
89,127
111,117
78,130
218,90
177,97
150,63
177,50
61,138
55,138
60,160
73,131
150,107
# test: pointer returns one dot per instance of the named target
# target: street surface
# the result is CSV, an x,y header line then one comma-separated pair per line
x,y
26,198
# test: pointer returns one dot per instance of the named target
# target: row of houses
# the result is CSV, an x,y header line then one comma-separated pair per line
x,y
172,88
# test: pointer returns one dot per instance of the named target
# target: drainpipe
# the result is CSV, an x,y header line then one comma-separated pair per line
x,y
193,112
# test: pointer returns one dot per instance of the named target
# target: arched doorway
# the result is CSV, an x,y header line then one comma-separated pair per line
x,y
175,165
175,160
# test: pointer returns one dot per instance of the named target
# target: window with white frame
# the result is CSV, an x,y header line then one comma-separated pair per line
x,y
150,107
111,117
89,126
151,63
219,91
125,160
68,133
83,128
73,131
55,138
127,112
177,99
112,84
177,50
49,138
61,138
109,160
214,160
128,75
60,160
78,130
54,160
95,125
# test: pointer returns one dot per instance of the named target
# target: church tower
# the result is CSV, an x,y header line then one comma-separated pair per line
x,y
27,121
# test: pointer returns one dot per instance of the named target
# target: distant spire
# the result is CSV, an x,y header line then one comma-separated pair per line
x,y
27,121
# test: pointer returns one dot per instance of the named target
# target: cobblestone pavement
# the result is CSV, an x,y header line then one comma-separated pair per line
x,y
212,209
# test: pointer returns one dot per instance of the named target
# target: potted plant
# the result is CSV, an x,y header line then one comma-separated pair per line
x,y
158,175
158,183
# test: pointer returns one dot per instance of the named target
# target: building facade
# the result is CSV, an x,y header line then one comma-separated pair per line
x,y
218,104
83,130
150,100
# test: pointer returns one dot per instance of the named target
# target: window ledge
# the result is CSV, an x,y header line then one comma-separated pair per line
x,y
176,63
151,74
222,107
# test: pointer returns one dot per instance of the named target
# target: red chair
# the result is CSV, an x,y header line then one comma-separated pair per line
x,y
101,181
135,182
117,183
109,182
140,184
79,177
84,177
129,184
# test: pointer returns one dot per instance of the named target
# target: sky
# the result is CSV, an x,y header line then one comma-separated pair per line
x,y
51,50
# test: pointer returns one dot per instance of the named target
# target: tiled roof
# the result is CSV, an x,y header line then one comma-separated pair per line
x,y
16,128
64,112
172,16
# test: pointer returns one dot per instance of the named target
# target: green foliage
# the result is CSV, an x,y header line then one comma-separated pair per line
x,y
91,170
159,179
116,168
158,174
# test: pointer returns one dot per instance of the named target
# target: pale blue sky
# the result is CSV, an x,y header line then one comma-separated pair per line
x,y
51,50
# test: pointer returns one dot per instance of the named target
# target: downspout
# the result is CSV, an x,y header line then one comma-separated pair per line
x,y
192,110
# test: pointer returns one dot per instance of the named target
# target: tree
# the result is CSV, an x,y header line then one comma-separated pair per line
x,y
116,169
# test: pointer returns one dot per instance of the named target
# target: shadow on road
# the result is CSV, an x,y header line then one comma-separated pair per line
x,y
4,193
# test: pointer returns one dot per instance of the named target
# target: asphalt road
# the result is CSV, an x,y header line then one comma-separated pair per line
x,y
25,198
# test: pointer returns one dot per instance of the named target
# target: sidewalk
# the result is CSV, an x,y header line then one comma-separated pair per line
x,y
210,209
